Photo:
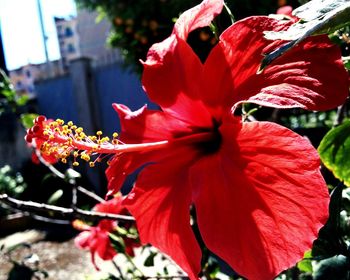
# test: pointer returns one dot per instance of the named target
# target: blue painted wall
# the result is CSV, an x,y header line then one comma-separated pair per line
x,y
114,85
55,98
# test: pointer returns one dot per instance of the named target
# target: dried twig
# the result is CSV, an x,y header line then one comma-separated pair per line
x,y
69,213
62,176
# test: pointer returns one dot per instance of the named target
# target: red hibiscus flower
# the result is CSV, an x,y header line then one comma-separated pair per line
x,y
256,187
97,240
37,144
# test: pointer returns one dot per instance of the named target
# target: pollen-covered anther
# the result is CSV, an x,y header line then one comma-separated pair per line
x,y
85,156
63,140
60,122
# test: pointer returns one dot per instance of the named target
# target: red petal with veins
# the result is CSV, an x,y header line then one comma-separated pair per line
x,y
140,126
146,125
160,202
172,78
310,76
262,203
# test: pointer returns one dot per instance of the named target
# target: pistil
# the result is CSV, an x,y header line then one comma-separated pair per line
x,y
64,140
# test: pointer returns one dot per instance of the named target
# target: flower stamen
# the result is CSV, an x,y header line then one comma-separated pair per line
x,y
63,140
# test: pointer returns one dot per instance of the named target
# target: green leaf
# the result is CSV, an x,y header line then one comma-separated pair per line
x,y
55,197
22,100
150,259
27,120
117,243
10,95
305,264
101,15
71,176
334,151
317,17
346,61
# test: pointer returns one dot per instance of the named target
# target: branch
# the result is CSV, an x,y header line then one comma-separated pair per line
x,y
90,194
69,213
163,277
60,175
48,165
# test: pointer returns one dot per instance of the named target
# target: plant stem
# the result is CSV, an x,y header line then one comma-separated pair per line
x,y
119,270
69,213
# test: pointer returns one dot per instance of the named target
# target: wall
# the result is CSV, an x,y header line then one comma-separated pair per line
x,y
86,96
55,98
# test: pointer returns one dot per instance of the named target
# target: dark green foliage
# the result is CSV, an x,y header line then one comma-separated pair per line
x,y
330,241
336,267
9,99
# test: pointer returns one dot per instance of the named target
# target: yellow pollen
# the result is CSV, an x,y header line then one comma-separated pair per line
x,y
85,156
64,140
60,122
79,130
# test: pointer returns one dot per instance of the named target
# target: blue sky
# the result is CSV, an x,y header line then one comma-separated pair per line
x,y
21,32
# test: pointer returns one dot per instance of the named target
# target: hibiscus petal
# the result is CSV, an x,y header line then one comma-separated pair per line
x,y
262,203
83,239
199,16
173,73
160,202
146,125
140,126
310,76
113,206
104,248
172,77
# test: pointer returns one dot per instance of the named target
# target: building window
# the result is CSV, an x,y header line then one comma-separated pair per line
x,y
19,85
68,32
71,48
28,74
